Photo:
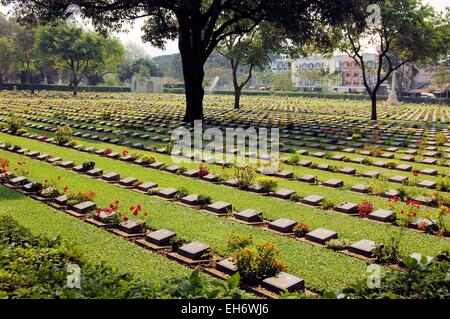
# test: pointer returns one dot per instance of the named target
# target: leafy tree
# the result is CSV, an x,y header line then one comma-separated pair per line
x,y
199,25
72,48
143,66
8,60
407,30
251,50
281,81
114,56
26,52
441,79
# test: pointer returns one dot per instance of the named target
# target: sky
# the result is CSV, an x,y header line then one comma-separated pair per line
x,y
134,34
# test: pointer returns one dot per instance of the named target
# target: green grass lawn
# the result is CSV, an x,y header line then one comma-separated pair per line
x,y
347,226
322,269
94,244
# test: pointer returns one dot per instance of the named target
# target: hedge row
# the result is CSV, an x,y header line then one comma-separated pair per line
x,y
55,87
349,96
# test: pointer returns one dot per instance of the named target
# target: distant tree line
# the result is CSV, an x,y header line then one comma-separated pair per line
x,y
63,53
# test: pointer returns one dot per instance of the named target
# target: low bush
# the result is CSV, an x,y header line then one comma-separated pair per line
x,y
238,241
268,184
440,138
258,262
79,196
365,208
327,204
443,184
338,244
392,164
63,135
15,124
386,254
88,166
422,280
244,175
148,159
301,229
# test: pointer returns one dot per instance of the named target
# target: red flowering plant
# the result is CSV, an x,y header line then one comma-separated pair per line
x,y
107,151
203,171
50,188
406,212
125,152
109,214
365,208
4,177
134,212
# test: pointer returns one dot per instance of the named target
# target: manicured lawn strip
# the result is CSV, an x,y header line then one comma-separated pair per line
x,y
364,168
216,191
347,226
321,268
337,195
360,167
94,244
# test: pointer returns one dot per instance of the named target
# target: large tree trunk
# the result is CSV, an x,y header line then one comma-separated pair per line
x,y
374,107
193,58
237,88
193,79
75,86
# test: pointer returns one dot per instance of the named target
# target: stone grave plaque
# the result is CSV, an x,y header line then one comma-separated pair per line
x,y
283,225
321,236
382,215
283,281
194,250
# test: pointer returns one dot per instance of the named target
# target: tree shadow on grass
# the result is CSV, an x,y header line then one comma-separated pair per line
x,y
9,194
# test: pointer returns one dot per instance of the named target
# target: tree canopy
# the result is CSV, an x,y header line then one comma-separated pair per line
x,y
199,25
406,31
79,51
250,50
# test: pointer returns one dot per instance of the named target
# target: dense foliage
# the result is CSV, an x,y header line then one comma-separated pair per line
x,y
420,281
36,267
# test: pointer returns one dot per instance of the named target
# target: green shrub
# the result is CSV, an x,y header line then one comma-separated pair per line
x,y
294,159
301,229
392,164
148,159
338,244
63,135
387,254
88,166
443,184
238,241
440,138
269,184
420,281
255,263
244,175
327,204
15,123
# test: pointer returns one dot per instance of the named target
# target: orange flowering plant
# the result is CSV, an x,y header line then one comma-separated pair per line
x,y
255,263
4,164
